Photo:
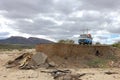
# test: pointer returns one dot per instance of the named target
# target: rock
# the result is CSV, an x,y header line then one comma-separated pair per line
x,y
35,61
51,64
68,76
64,75
30,61
109,73
39,58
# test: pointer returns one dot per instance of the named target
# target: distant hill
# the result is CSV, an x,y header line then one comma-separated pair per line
x,y
23,40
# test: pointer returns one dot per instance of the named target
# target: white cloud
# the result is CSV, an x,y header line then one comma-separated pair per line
x,y
61,19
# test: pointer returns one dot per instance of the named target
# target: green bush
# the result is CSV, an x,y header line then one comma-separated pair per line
x,y
116,44
68,41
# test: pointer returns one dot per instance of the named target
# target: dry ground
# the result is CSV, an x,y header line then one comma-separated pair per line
x,y
16,74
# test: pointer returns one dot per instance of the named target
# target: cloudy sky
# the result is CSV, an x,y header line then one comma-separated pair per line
x,y
61,19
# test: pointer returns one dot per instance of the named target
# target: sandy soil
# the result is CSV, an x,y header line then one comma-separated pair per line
x,y
16,74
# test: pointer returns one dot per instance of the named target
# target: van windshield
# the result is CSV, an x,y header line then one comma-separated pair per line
x,y
83,36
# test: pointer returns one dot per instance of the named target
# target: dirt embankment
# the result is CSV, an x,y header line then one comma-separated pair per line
x,y
73,55
72,49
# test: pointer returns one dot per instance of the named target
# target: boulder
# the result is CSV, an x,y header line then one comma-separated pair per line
x,y
39,58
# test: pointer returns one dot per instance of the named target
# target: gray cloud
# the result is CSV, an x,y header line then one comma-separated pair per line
x,y
101,4
25,9
29,8
61,18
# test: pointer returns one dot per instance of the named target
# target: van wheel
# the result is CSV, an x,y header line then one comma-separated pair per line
x,y
90,43
79,43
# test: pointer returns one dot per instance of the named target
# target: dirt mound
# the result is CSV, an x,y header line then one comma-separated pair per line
x,y
73,55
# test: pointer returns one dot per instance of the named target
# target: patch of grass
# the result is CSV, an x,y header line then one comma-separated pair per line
x,y
97,63
102,61
111,57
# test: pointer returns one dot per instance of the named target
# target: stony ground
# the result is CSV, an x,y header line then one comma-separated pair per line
x,y
16,74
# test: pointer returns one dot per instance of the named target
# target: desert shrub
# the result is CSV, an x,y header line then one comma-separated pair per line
x,y
98,43
68,41
117,44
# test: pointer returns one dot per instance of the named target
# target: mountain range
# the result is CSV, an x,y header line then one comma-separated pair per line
x,y
23,40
